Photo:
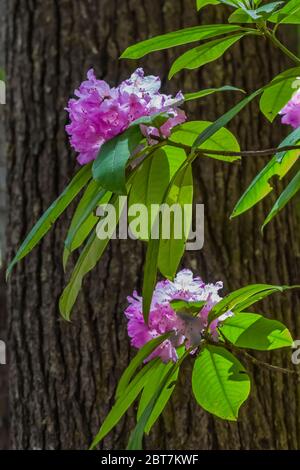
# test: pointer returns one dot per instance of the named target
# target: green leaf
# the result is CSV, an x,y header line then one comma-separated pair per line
x,y
231,3
87,260
150,275
220,382
227,117
224,119
155,120
253,331
240,16
290,191
260,186
83,220
172,247
209,91
263,12
202,3
136,438
2,75
123,403
222,139
161,370
149,186
150,270
289,14
184,306
291,139
51,215
177,38
203,54
278,92
256,297
84,216
243,298
109,166
142,354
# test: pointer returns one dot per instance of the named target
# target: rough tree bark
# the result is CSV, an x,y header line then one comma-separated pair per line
x,y
62,376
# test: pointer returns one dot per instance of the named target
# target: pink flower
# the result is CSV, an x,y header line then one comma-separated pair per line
x,y
100,113
162,318
291,112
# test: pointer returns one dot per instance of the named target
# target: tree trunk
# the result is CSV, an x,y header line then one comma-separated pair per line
x,y
3,367
62,376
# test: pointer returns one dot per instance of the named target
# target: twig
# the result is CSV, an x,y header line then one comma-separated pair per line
x,y
228,153
253,359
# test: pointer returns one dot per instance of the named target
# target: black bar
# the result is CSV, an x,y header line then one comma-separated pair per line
x,y
139,459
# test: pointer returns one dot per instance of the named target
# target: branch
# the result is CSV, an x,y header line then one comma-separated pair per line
x,y
228,153
271,36
282,370
253,359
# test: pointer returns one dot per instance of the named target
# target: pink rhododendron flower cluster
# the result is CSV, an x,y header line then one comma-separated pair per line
x,y
291,112
162,318
100,113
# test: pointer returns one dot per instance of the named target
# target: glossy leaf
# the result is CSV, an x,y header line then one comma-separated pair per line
x,y
258,296
136,438
202,3
243,298
263,12
123,403
150,275
149,186
260,186
140,357
289,14
224,119
209,91
84,219
172,246
186,306
203,54
109,166
51,215
240,16
229,115
278,93
222,139
87,260
290,191
85,213
161,370
231,3
155,119
253,331
292,139
177,38
220,382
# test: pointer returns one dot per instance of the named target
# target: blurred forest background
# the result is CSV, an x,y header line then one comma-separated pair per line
x,y
60,378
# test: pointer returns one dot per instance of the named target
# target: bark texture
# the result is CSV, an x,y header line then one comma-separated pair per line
x,y
62,376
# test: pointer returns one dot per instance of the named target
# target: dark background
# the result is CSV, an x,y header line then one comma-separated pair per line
x,y
61,377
